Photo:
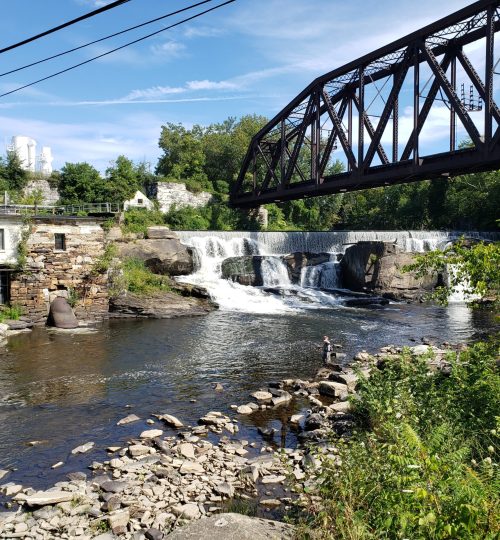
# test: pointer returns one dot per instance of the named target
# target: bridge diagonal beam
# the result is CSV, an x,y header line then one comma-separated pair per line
x,y
388,110
425,110
371,130
457,105
339,131
476,80
332,138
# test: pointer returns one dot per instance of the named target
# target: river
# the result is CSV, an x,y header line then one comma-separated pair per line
x,y
64,388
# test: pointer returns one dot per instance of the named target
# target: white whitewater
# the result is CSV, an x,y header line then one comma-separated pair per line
x,y
212,247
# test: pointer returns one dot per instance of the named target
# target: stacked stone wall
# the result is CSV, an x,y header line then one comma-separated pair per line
x,y
49,272
170,193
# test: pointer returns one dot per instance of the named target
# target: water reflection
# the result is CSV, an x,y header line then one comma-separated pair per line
x,y
72,388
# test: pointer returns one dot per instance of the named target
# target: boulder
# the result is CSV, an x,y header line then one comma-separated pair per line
x,y
170,420
333,389
61,315
159,305
161,256
231,526
244,270
161,232
377,267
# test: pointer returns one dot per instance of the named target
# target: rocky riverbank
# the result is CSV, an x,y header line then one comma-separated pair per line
x,y
159,481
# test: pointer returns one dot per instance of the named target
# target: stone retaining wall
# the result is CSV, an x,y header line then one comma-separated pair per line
x,y
51,272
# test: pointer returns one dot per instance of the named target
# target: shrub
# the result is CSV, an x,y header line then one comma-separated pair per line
x,y
137,220
12,313
424,463
140,280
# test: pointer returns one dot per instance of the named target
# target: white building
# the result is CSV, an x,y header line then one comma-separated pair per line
x,y
25,148
139,200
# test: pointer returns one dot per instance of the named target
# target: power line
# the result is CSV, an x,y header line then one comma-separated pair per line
x,y
104,38
117,48
66,24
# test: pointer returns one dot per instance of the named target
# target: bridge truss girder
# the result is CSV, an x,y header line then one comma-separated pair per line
x,y
291,157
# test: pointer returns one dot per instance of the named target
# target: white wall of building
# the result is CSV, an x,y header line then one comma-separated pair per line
x,y
12,227
139,200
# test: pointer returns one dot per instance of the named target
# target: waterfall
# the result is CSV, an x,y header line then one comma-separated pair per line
x,y
275,273
322,276
212,247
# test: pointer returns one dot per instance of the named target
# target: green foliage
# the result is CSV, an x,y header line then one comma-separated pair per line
x,y
12,173
22,245
122,181
81,183
137,220
13,312
103,263
139,279
476,267
73,297
426,464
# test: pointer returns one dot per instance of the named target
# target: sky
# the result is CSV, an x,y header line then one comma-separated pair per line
x,y
251,56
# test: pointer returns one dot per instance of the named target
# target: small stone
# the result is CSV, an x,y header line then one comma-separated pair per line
x,y
296,418
271,503
151,434
333,389
187,511
150,422
119,521
218,387
225,488
154,534
57,465
138,450
111,486
186,450
262,397
3,473
83,448
191,467
171,420
128,420
43,498
273,479
244,409
9,490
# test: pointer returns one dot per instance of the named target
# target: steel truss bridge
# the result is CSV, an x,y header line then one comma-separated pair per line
x,y
378,114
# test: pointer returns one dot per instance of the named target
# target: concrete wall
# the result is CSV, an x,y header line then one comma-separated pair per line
x,y
50,195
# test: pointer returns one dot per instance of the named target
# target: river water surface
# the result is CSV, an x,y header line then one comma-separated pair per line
x,y
64,388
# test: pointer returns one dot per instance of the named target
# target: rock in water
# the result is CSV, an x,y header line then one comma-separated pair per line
x,y
61,315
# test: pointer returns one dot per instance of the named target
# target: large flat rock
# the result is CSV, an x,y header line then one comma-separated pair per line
x,y
231,527
161,305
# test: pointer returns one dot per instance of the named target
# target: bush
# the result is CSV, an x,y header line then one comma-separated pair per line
x,y
425,463
140,280
12,313
137,220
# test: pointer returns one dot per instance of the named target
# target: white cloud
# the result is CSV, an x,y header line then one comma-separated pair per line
x,y
210,85
169,49
153,93
202,31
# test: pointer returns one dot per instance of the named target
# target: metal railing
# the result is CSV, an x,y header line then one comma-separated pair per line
x,y
66,210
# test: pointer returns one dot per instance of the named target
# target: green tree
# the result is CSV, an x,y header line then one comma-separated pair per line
x,y
121,180
81,183
476,267
13,173
183,157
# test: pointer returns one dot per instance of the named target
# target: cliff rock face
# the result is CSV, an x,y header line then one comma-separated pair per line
x,y
161,256
170,193
377,267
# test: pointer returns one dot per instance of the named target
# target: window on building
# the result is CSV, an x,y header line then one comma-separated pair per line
x,y
60,241
139,201
4,287
2,239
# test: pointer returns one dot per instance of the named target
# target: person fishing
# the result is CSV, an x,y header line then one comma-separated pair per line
x,y
326,350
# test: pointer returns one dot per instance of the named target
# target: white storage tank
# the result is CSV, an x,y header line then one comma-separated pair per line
x,y
44,162
25,148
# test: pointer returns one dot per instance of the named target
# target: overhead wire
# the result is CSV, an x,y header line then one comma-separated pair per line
x,y
117,48
65,25
58,55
